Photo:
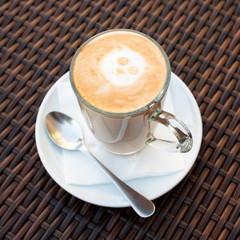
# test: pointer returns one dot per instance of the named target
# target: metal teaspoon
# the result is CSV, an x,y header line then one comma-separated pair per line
x,y
67,133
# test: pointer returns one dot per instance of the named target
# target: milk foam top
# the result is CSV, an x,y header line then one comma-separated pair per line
x,y
119,71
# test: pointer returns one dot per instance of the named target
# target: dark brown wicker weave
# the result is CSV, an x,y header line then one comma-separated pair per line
x,y
37,42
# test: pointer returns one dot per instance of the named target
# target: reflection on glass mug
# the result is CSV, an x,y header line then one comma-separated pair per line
x,y
120,78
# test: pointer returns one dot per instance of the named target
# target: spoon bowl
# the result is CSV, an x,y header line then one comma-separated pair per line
x,y
66,133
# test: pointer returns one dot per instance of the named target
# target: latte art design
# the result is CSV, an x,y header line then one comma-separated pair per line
x,y
123,66
119,72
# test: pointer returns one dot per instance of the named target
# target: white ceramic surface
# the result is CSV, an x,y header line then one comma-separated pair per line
x,y
185,108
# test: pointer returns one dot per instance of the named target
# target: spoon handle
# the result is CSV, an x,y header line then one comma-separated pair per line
x,y
142,206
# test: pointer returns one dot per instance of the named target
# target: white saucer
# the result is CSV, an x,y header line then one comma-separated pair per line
x,y
107,195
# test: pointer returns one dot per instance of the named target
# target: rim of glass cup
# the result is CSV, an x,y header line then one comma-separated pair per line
x,y
135,112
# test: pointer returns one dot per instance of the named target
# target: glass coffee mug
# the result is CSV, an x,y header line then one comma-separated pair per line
x,y
127,133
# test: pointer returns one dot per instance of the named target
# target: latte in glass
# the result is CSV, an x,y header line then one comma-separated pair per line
x,y
120,78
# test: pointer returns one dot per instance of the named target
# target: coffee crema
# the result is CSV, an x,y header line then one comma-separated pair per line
x,y
119,71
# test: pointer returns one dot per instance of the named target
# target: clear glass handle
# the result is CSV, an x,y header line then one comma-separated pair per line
x,y
178,128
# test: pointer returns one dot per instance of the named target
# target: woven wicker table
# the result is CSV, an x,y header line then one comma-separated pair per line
x,y
38,40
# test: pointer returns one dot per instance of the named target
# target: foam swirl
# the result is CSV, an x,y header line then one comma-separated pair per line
x,y
119,71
